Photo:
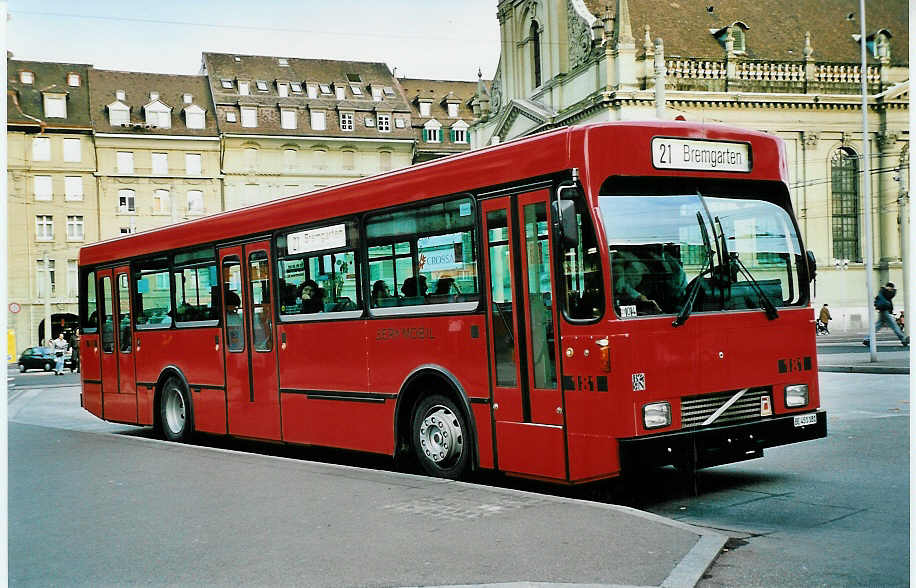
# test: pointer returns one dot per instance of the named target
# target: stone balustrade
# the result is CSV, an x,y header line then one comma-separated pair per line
x,y
769,71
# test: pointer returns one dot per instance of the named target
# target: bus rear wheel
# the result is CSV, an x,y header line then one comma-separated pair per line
x,y
439,437
175,411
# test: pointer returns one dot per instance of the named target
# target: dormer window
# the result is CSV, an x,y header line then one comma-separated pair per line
x,y
388,91
357,91
194,117
296,87
424,108
73,80
453,111
153,96
187,99
26,77
243,88
55,105
227,84
262,85
376,93
158,114
879,44
120,95
282,61
282,89
340,92
312,90
325,89
738,36
432,132
118,113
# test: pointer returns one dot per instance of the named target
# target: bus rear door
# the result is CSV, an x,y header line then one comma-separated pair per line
x,y
252,387
527,402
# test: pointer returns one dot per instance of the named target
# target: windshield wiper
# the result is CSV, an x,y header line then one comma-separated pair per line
x,y
684,314
765,301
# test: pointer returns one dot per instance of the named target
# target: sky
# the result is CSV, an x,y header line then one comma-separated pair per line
x,y
434,39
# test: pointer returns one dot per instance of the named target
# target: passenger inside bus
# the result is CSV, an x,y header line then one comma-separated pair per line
x,y
380,293
232,302
410,289
311,297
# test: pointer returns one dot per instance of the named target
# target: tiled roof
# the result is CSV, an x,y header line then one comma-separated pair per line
x,y
775,26
25,102
137,86
364,75
438,91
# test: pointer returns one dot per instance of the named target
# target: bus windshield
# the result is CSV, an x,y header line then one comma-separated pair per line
x,y
736,248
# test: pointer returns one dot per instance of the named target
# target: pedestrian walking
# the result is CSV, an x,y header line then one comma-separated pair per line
x,y
60,347
74,353
885,309
825,318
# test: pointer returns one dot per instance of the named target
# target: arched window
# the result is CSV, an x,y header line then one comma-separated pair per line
x,y
844,181
536,52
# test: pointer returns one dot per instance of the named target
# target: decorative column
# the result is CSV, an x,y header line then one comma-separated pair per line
x,y
887,199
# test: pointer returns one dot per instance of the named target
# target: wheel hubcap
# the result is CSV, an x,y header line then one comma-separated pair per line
x,y
174,411
441,439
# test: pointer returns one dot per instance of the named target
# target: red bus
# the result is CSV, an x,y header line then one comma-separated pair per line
x,y
566,307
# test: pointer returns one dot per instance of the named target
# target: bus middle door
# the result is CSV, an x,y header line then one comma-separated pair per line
x,y
527,402
252,390
119,384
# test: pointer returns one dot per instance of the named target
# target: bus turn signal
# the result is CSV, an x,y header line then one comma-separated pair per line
x,y
605,356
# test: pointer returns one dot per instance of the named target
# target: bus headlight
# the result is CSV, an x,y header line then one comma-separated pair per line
x,y
796,395
656,415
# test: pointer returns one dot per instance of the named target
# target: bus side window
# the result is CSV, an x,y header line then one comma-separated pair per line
x,y
107,318
232,304
582,275
89,305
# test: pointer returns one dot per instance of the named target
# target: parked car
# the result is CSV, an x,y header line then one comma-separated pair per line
x,y
40,358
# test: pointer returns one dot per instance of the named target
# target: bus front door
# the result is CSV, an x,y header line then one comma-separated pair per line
x,y
119,384
527,402
252,391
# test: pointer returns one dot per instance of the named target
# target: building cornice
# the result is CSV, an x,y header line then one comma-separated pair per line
x,y
317,138
158,137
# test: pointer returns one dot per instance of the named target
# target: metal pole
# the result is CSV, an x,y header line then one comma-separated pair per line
x,y
47,281
903,216
866,189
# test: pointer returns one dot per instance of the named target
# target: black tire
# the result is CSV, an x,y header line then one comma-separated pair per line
x,y
48,366
440,437
21,368
175,418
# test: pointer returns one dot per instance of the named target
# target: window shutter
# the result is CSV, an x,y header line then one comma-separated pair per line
x,y
425,137
451,135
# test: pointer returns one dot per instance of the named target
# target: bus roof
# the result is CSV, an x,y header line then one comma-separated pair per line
x,y
614,148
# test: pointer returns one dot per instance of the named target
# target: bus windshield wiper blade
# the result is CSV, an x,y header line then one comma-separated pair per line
x,y
765,301
684,314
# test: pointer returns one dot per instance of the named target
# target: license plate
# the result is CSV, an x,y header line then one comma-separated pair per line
x,y
803,420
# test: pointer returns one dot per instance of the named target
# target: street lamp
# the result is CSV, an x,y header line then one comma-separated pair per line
x,y
866,187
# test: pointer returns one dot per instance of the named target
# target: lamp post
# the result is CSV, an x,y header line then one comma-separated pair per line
x,y
866,189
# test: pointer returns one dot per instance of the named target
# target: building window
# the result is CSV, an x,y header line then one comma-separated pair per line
x,y
195,202
72,278
73,80
261,85
192,164
376,94
844,178
320,158
44,227
288,118
226,84
75,228
120,95
346,121
231,117
289,159
348,158
41,149
312,90
118,114
283,62
399,123
153,96
125,162
424,109
72,151
44,277
26,77
243,88
159,115
194,117
162,202
251,157
357,91
432,132
453,110
126,201
160,164
535,39
73,188
325,88
340,92
55,106
318,120
249,117
459,135
187,98
129,229
384,160
296,87
43,190
384,123
282,89
369,121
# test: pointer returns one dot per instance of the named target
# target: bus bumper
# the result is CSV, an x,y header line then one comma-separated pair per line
x,y
719,445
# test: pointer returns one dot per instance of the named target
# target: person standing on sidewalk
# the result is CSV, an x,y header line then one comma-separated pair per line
x,y
825,318
885,309
60,346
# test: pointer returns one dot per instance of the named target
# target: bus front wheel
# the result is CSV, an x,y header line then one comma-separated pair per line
x,y
440,441
175,411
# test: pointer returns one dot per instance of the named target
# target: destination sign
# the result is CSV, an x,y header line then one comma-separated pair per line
x,y
317,239
720,156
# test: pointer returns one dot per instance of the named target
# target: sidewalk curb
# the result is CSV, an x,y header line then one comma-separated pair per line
x,y
863,369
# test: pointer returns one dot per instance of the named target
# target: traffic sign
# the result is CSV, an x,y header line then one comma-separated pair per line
x,y
15,307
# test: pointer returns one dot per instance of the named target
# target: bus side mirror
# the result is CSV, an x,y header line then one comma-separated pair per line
x,y
565,225
812,265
